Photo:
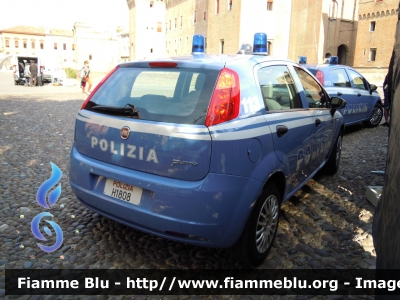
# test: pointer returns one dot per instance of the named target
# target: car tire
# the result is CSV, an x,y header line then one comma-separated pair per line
x,y
16,82
332,165
260,231
376,116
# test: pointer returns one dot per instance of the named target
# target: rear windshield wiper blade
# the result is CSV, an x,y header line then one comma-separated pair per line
x,y
117,110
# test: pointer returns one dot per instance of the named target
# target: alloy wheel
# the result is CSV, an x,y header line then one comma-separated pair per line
x,y
376,116
267,223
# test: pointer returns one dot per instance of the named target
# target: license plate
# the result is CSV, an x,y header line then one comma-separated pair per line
x,y
123,191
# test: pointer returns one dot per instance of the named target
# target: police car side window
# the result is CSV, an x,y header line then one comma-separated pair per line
x,y
339,78
357,80
278,89
315,95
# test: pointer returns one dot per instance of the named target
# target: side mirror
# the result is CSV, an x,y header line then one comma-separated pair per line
x,y
337,103
372,87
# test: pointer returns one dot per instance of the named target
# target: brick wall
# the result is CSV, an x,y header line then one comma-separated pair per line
x,y
376,29
223,25
305,30
321,27
190,20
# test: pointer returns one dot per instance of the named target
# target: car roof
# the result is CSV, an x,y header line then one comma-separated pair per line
x,y
324,66
218,59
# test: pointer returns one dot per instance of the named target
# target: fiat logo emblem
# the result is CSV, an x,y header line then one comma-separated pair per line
x,y
125,132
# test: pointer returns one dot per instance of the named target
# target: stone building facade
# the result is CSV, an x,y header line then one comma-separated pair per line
x,y
329,28
360,32
146,28
375,37
66,48
245,18
60,47
225,24
23,40
183,19
316,29
101,49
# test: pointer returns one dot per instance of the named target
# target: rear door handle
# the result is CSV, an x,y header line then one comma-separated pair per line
x,y
317,122
281,130
339,94
359,95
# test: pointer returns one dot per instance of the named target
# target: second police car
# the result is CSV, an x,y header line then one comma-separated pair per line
x,y
198,149
363,101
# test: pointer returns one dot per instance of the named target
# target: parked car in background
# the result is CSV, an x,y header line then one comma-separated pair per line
x,y
363,101
197,149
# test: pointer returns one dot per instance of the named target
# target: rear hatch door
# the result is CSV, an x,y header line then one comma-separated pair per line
x,y
151,119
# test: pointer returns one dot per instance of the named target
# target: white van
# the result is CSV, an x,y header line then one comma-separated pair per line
x,y
52,71
19,63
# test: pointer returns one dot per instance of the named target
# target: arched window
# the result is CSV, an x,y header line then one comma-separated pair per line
x,y
333,9
16,43
8,43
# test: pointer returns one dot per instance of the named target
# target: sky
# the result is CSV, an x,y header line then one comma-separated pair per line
x,y
104,14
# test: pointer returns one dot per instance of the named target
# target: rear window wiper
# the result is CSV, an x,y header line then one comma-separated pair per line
x,y
117,110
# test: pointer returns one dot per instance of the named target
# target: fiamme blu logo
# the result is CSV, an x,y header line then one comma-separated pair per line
x,y
42,201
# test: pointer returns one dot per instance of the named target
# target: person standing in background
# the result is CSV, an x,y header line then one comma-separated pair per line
x,y
27,74
33,70
85,78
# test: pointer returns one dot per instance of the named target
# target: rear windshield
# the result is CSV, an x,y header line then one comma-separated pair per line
x,y
160,94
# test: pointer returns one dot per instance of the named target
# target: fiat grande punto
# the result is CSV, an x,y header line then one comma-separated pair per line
x,y
363,103
204,149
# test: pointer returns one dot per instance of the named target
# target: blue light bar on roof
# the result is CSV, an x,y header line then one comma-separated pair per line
x,y
334,60
302,60
198,44
260,43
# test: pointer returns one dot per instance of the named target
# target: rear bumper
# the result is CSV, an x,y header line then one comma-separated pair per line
x,y
211,212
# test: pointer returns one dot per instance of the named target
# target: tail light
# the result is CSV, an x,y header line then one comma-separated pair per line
x,y
320,77
41,69
225,100
15,69
98,86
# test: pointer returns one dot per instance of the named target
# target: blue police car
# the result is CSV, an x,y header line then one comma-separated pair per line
x,y
204,149
363,101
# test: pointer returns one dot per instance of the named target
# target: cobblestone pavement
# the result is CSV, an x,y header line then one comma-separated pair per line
x,y
327,224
